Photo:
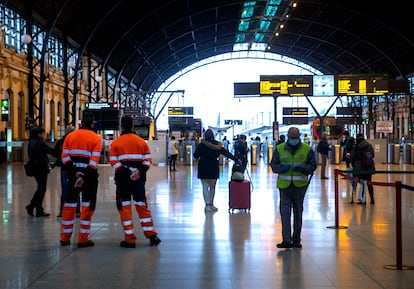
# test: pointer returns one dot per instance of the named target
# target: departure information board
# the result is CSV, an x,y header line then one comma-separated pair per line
x,y
180,110
286,85
362,85
323,85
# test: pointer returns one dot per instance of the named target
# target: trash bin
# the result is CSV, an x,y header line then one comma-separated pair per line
x,y
253,154
335,154
406,153
269,153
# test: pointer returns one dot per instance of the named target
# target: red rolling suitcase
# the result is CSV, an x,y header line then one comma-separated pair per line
x,y
239,195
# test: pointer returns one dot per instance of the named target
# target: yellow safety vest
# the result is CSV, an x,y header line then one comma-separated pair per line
x,y
284,179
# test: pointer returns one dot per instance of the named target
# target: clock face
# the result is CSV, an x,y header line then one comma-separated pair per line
x,y
323,85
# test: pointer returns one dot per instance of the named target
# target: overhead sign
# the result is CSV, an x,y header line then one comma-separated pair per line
x,y
286,85
246,89
366,85
349,110
295,120
349,120
295,111
233,121
181,110
100,105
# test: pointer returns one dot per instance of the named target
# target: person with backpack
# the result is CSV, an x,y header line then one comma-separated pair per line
x,y
362,159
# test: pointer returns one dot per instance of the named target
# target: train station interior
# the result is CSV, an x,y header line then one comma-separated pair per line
x,y
116,58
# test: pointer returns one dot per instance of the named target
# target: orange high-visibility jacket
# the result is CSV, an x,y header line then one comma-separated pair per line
x,y
83,148
129,149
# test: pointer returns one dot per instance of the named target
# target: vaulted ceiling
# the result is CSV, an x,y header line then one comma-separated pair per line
x,y
149,41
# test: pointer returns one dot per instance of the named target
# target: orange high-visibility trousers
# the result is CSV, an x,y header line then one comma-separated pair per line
x,y
145,218
126,218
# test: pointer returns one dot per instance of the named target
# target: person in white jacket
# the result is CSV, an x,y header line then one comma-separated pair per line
x,y
172,152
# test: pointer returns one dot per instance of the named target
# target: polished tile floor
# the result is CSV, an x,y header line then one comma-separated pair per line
x,y
210,250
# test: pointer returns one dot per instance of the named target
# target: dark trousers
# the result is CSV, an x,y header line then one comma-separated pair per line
x,y
39,194
291,199
173,159
65,187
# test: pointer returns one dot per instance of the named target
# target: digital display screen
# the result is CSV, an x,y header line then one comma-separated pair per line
x,y
362,85
286,85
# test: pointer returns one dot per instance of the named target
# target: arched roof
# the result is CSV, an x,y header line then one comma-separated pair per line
x,y
149,41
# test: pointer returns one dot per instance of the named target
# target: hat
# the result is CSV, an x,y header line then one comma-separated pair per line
x,y
293,132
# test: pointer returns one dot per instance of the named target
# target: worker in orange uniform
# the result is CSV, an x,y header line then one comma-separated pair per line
x,y
130,156
80,155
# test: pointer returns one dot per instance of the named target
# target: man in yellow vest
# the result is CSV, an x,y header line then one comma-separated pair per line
x,y
294,161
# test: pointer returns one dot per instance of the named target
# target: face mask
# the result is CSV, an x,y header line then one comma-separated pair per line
x,y
294,141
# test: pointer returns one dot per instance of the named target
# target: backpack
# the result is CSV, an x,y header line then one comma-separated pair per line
x,y
367,160
237,172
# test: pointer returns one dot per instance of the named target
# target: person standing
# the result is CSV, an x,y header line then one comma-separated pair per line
x,y
347,144
241,150
64,180
281,139
38,151
360,148
173,152
208,152
81,152
293,161
323,149
130,156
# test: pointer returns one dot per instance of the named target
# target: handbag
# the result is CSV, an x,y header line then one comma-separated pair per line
x,y
30,168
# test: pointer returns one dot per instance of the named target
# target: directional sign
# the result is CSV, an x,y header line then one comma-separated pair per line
x,y
233,121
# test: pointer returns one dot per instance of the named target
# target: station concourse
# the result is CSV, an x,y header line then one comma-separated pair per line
x,y
221,250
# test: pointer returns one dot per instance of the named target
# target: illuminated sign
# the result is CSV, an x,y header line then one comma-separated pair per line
x,y
286,85
354,85
181,110
233,121
295,111
5,110
100,105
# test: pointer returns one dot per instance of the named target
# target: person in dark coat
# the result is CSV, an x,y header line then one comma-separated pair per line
x,y
241,150
207,153
38,151
362,146
347,144
323,149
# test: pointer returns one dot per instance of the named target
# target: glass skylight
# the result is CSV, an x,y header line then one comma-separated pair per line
x,y
252,11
